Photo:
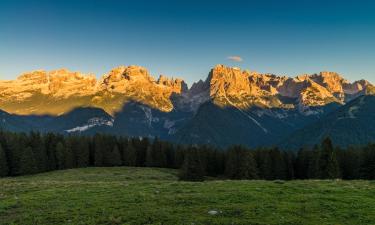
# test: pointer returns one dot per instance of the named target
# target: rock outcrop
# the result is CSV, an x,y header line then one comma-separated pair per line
x,y
60,91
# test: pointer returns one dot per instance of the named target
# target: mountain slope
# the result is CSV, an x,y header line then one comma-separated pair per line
x,y
232,106
139,120
79,120
58,92
253,127
352,124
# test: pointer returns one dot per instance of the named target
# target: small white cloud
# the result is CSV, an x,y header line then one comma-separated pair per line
x,y
235,58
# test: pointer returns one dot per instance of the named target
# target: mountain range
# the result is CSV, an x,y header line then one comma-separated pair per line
x,y
232,106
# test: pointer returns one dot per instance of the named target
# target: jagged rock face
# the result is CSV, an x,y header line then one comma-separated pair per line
x,y
315,95
134,83
311,90
267,82
358,87
58,92
177,85
42,92
332,81
230,107
58,83
292,87
242,89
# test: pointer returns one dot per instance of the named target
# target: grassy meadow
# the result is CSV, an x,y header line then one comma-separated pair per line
x,y
122,195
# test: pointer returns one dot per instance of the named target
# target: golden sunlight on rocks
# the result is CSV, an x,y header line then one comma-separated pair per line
x,y
59,91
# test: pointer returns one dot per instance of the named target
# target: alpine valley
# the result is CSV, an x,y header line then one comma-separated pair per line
x,y
231,106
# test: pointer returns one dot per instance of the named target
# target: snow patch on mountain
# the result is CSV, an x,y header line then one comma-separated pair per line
x,y
93,122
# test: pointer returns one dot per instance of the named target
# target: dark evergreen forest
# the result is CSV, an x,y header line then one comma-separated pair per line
x,y
30,153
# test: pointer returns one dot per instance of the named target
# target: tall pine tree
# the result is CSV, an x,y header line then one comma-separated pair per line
x,y
192,169
36,142
130,155
240,164
81,150
60,156
4,169
27,164
98,147
328,165
68,155
115,156
367,162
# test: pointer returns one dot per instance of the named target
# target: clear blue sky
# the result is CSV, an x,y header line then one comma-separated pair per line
x,y
187,38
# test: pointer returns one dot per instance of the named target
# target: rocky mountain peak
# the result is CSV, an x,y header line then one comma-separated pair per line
x,y
58,83
62,90
315,95
127,73
361,87
302,77
332,81
176,84
59,91
230,86
134,72
134,83
228,81
38,76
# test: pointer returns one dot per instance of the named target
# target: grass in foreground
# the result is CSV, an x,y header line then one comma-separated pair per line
x,y
154,196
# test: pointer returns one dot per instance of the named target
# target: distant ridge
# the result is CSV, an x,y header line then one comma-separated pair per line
x,y
59,91
232,106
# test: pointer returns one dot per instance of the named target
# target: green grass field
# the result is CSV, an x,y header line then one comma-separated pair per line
x,y
154,196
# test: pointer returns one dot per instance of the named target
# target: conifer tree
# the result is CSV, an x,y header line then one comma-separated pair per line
x,y
50,148
192,169
60,156
349,161
313,163
115,157
36,142
219,159
289,159
149,157
68,155
17,143
279,170
209,160
81,151
240,164
170,154
265,164
328,165
130,155
98,147
179,157
141,147
156,155
302,164
27,164
122,143
110,157
4,169
367,162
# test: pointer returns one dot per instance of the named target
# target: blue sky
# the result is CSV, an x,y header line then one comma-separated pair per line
x,y
186,38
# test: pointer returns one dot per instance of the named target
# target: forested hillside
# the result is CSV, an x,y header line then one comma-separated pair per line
x,y
31,153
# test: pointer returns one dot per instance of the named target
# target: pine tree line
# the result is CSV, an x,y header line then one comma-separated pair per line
x,y
31,153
